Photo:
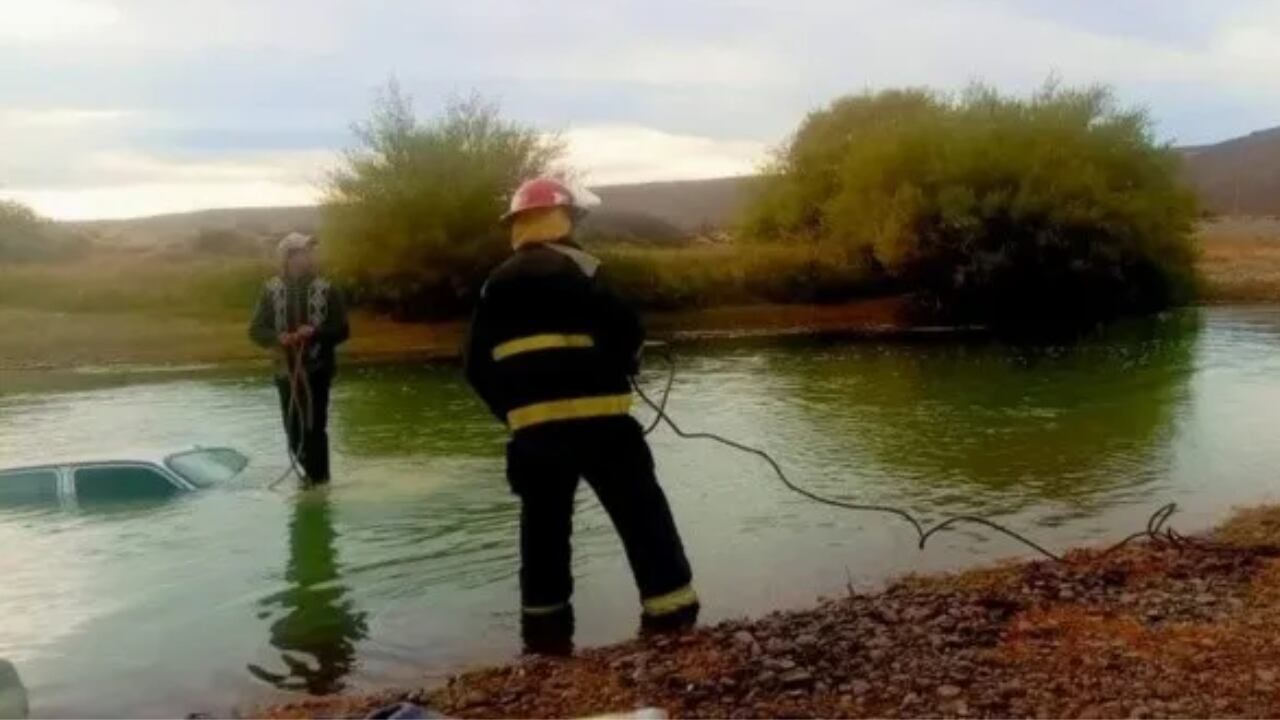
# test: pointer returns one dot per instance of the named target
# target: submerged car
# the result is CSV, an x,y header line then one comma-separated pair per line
x,y
131,477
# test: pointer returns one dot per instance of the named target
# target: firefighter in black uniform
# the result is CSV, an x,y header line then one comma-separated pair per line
x,y
551,352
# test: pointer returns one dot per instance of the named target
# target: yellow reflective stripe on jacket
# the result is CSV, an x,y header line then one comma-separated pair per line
x,y
670,602
533,343
543,609
570,409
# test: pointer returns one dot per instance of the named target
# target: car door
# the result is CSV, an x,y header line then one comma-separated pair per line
x,y
29,488
121,483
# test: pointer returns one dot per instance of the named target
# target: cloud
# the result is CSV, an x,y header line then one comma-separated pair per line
x,y
25,21
76,163
155,95
125,183
614,154
139,199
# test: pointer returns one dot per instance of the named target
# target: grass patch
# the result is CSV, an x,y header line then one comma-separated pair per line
x,y
121,283
1240,260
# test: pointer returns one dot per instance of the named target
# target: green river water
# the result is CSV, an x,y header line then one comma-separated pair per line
x,y
405,568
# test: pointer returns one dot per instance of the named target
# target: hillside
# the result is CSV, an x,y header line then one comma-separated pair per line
x,y
163,230
1240,176
690,205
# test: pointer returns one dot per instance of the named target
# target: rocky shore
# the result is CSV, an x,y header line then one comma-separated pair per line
x,y
1152,630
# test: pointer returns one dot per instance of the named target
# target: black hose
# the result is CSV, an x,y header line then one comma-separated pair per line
x,y
1155,524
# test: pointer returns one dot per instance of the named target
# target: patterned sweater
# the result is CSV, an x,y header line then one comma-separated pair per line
x,y
286,304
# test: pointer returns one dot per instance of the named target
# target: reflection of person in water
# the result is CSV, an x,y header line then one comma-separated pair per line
x,y
13,696
317,635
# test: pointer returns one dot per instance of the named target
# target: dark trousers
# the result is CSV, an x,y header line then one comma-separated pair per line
x,y
544,464
308,430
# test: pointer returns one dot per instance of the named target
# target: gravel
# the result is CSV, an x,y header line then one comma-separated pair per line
x,y
1149,631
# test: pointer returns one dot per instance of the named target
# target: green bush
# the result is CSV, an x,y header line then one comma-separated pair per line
x,y
1050,211
25,236
410,219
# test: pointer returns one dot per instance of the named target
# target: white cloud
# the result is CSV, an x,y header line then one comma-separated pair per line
x,y
136,200
20,119
215,98
122,183
37,20
613,154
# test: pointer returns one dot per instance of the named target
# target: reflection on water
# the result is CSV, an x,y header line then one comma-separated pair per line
x,y
430,411
317,633
406,565
966,425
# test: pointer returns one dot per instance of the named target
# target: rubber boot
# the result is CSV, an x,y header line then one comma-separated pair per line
x,y
548,634
672,622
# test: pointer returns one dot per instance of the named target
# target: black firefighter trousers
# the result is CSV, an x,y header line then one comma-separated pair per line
x,y
308,430
544,464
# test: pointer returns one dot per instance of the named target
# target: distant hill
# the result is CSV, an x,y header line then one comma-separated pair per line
x,y
690,205
663,212
157,231
1236,177
1240,176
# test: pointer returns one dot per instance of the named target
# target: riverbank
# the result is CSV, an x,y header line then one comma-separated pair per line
x,y
1240,260
121,311
1148,631
43,340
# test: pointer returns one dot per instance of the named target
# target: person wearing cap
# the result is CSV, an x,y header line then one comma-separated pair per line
x,y
303,318
552,352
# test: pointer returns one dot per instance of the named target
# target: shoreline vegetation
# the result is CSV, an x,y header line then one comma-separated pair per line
x,y
1150,630
121,310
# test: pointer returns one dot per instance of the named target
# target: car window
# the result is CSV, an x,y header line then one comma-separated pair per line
x,y
29,487
206,466
109,483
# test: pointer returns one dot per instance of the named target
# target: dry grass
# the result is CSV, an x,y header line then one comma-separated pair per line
x,y
41,339
1241,260
38,339
121,282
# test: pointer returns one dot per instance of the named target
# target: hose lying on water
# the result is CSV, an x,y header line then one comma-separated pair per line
x,y
1155,530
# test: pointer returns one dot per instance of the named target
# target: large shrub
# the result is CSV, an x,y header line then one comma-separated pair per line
x,y
670,278
410,219
25,235
1048,211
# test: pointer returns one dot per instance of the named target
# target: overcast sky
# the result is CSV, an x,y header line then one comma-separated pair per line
x,y
112,108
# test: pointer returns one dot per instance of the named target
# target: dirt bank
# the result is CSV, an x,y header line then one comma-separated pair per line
x,y
42,340
1149,631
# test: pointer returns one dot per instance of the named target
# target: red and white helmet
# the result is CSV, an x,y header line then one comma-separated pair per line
x,y
546,192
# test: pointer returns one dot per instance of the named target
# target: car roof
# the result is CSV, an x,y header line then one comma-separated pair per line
x,y
150,456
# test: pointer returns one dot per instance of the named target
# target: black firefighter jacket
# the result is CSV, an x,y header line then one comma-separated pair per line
x,y
549,342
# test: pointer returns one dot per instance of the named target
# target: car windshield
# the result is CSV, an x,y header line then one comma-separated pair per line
x,y
207,466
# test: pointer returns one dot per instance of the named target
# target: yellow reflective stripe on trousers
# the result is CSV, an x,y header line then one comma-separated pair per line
x,y
670,602
543,609
570,409
533,343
